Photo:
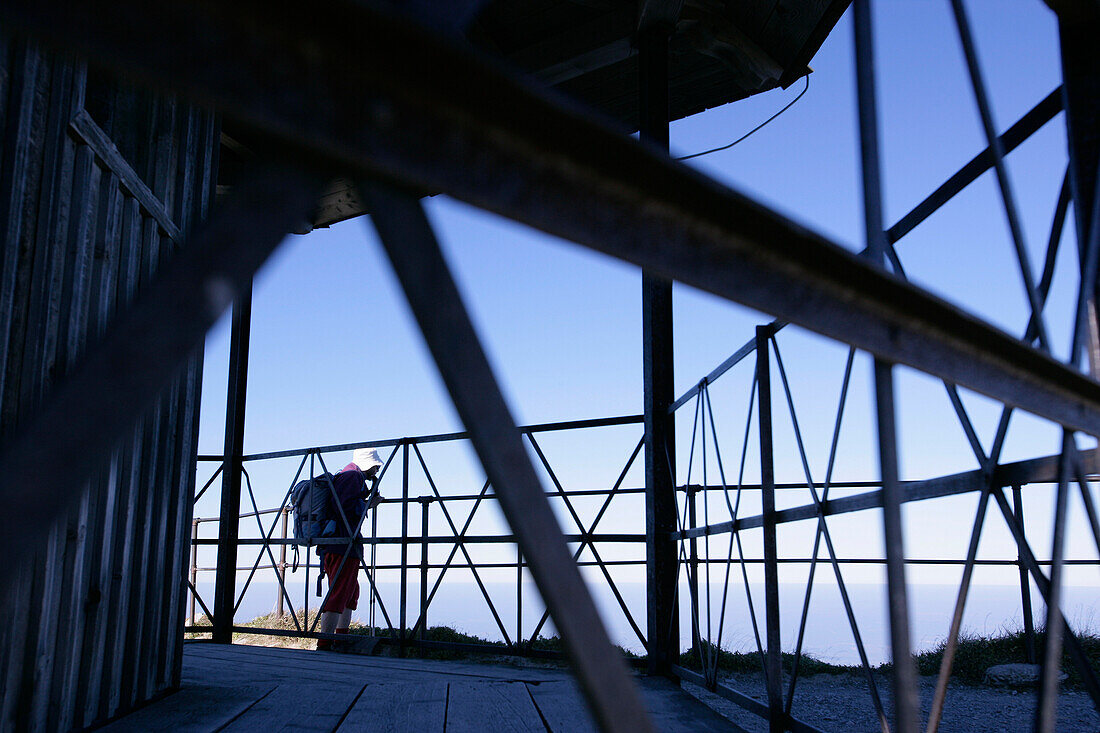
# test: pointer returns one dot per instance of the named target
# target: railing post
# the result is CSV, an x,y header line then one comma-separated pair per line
x,y
193,573
693,576
1025,583
425,504
662,625
519,601
404,541
309,546
229,517
282,562
373,564
773,660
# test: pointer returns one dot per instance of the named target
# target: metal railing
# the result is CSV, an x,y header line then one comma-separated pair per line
x,y
434,505
990,481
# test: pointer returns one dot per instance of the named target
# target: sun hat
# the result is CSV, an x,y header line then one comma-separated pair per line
x,y
366,458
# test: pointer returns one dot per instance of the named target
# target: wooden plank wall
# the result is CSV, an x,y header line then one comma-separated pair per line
x,y
98,182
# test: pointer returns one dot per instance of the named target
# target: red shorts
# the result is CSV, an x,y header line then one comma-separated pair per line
x,y
345,588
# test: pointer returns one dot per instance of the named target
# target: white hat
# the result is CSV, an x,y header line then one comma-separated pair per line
x,y
366,459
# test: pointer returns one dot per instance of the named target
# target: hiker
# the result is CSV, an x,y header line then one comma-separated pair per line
x,y
353,488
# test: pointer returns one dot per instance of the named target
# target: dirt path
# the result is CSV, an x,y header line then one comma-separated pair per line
x,y
842,703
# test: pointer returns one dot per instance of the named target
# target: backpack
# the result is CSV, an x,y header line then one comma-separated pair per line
x,y
312,502
315,515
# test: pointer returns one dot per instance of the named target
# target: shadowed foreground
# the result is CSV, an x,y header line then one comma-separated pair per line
x,y
238,688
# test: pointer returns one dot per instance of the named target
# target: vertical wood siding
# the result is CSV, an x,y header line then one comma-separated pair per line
x,y
98,183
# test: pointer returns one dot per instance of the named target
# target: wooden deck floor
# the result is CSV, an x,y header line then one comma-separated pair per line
x,y
245,688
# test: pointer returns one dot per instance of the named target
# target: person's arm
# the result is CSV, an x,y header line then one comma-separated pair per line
x,y
370,488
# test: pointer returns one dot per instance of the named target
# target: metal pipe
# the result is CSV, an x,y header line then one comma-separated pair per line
x,y
935,562
906,708
948,658
1034,470
773,652
1051,665
549,427
1025,583
433,296
1042,583
425,505
662,629
519,599
1003,182
193,572
282,560
229,525
404,544
693,576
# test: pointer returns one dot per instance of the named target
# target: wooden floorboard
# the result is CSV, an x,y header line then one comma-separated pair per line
x,y
299,706
562,706
673,709
246,688
324,665
279,655
194,709
399,708
501,707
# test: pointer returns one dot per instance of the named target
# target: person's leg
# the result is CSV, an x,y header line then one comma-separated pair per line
x,y
329,621
334,604
342,598
344,623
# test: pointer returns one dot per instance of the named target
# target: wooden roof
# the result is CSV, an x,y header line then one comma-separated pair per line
x,y
721,51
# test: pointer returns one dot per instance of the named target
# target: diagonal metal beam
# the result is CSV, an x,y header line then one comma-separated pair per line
x,y
82,420
822,531
591,545
434,299
462,547
1043,585
586,536
1035,470
450,558
1013,137
437,117
1004,183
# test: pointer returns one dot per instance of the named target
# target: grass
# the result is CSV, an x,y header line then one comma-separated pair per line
x,y
434,633
973,655
740,662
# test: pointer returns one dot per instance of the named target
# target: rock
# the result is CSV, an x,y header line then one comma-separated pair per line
x,y
1016,675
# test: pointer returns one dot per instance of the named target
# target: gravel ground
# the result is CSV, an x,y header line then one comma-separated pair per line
x,y
842,703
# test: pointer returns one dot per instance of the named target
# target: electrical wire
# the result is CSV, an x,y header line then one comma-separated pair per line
x,y
755,129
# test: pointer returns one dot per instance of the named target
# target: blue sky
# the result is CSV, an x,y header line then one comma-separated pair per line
x,y
336,357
